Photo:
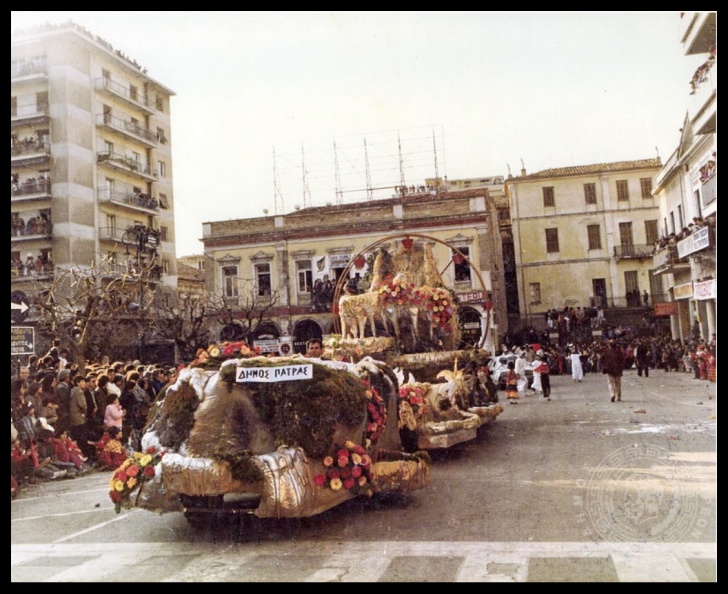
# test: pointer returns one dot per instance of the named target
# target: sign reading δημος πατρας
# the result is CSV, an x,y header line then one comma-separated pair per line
x,y
287,373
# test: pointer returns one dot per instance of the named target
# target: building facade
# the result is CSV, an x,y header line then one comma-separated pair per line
x,y
90,159
687,190
583,236
289,264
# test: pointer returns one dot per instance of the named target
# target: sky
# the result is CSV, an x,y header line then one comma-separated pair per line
x,y
278,110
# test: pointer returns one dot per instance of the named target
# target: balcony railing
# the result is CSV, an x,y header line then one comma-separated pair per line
x,y
127,127
127,163
643,250
30,147
25,112
106,84
111,233
31,188
141,200
667,258
20,70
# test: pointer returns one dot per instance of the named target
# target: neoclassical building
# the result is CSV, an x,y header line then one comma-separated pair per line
x,y
584,235
283,263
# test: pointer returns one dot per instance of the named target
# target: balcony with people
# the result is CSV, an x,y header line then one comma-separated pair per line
x,y
30,188
633,250
37,226
28,146
36,266
129,196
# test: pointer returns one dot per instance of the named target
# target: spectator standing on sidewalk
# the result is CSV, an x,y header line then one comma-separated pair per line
x,y
642,358
612,364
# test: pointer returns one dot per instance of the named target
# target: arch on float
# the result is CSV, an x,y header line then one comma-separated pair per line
x,y
344,277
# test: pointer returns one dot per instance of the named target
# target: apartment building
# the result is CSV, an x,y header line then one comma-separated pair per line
x,y
584,236
284,263
687,191
90,159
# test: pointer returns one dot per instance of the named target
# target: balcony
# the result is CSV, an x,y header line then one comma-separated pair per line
x,y
127,164
633,251
29,115
137,201
29,152
114,234
115,89
128,128
667,260
28,71
30,189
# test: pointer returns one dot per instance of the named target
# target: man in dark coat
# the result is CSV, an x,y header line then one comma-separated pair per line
x,y
642,356
612,364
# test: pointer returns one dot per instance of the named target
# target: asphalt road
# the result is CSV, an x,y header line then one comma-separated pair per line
x,y
578,489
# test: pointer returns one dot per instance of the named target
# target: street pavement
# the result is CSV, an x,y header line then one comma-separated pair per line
x,y
578,489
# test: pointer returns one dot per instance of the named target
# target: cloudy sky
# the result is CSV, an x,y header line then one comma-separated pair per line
x,y
262,98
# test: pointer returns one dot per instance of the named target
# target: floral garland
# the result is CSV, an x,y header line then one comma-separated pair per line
x,y
414,395
438,301
376,415
133,473
349,469
397,291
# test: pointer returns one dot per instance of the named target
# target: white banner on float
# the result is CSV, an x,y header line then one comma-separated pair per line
x,y
287,373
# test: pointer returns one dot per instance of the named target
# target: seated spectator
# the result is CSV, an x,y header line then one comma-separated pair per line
x,y
47,451
112,454
21,463
67,450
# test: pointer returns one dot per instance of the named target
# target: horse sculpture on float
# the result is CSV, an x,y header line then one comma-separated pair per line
x,y
404,286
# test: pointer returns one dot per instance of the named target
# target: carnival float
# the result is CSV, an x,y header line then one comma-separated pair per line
x,y
283,437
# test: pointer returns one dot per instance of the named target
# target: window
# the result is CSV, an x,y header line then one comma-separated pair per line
x,y
595,237
159,103
133,93
590,193
162,169
548,196
262,279
622,190
462,266
680,222
625,235
534,292
651,231
646,187
230,281
552,240
163,202
108,148
305,279
672,222
630,281
161,136
163,232
13,107
106,75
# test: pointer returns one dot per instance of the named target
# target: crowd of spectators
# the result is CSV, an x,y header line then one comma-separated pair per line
x,y
67,421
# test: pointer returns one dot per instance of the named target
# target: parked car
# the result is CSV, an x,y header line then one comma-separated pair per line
x,y
498,367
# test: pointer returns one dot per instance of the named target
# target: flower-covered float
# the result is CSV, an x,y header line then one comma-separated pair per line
x,y
272,437
409,319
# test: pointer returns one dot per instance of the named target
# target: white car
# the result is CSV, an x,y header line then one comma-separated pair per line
x,y
498,367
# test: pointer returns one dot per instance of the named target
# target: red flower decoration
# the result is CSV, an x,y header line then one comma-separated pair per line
x,y
148,471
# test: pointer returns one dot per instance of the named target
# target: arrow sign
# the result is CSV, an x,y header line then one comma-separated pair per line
x,y
23,307
18,307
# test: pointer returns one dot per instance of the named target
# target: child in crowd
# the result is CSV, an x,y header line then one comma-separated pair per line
x,y
511,383
543,370
112,454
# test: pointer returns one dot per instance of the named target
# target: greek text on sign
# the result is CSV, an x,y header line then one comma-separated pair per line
x,y
471,297
287,373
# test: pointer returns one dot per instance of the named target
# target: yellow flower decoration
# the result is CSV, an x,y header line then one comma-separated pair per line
x,y
145,459
119,486
131,481
336,484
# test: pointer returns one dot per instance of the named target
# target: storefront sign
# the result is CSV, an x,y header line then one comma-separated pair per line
x,y
705,290
667,308
267,346
684,291
338,260
267,375
22,340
